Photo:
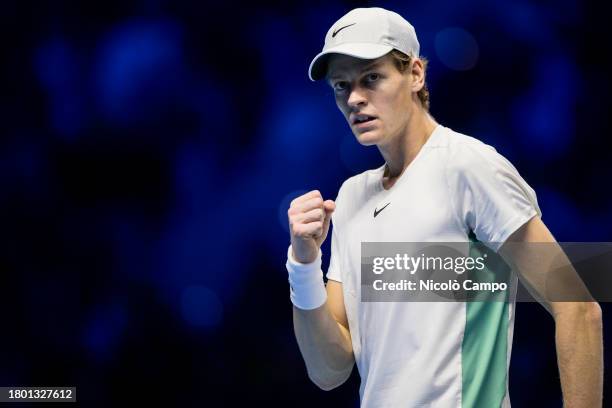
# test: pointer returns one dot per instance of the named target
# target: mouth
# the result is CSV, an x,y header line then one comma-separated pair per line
x,y
359,119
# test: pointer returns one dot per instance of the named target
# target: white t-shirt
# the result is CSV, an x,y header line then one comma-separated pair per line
x,y
419,354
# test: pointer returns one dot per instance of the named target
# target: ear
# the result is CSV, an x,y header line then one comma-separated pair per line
x,y
417,72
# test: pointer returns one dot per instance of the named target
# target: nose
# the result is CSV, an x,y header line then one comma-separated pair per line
x,y
356,98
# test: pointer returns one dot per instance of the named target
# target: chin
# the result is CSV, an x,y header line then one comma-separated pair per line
x,y
368,138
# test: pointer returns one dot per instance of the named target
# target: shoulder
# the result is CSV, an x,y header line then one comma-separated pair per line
x,y
468,155
461,146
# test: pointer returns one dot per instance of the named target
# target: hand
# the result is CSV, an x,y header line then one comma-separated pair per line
x,y
309,218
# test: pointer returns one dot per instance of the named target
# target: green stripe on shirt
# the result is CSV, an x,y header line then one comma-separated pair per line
x,y
485,341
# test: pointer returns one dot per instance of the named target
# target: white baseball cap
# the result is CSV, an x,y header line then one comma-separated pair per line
x,y
366,33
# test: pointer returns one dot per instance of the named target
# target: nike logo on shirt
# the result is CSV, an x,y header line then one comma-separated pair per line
x,y
376,212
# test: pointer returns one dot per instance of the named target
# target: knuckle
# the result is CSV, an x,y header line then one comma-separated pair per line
x,y
295,219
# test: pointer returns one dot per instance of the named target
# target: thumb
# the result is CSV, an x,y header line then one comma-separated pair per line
x,y
329,206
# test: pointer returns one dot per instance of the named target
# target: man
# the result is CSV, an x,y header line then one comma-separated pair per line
x,y
436,185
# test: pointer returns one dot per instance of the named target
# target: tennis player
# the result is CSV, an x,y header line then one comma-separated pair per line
x,y
436,185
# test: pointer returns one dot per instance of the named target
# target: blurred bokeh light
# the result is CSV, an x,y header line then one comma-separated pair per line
x,y
150,151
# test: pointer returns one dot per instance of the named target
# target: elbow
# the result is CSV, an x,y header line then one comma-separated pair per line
x,y
590,314
593,314
330,383
587,313
324,386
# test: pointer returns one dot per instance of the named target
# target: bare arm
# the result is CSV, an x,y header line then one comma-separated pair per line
x,y
322,332
324,340
578,325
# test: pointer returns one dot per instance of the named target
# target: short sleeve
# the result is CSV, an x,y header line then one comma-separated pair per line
x,y
490,197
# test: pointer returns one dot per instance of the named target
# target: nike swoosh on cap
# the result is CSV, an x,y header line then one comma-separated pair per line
x,y
376,212
341,28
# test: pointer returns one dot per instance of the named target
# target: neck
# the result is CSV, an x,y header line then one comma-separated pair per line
x,y
402,149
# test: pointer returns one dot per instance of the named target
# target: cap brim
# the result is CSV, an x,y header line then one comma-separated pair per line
x,y
318,66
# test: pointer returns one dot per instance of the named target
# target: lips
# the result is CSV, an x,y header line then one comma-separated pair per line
x,y
361,118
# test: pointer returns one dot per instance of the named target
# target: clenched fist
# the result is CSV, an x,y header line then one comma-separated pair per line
x,y
309,218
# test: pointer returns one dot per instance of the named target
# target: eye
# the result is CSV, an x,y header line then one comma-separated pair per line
x,y
372,77
340,86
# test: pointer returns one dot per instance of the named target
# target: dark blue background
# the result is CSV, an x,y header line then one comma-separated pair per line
x,y
150,149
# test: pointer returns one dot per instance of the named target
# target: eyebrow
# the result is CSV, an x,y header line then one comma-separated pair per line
x,y
368,67
371,65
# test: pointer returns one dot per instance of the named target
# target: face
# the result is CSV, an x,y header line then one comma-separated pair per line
x,y
375,98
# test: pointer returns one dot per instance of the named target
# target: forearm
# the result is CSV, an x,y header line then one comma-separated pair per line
x,y
325,345
580,354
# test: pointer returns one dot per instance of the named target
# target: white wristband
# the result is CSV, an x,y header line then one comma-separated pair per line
x,y
306,282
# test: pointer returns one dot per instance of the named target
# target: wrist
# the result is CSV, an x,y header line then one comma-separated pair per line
x,y
303,253
307,290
